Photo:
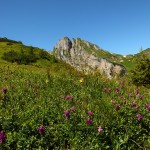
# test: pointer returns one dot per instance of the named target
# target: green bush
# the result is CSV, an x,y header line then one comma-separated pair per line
x,y
140,75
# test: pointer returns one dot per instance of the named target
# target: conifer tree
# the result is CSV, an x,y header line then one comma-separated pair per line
x,y
140,75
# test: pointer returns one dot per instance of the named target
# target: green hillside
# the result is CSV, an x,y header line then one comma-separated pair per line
x,y
48,105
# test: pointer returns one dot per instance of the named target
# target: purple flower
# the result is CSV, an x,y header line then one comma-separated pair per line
x,y
73,109
130,95
109,90
2,137
89,121
117,107
90,113
113,102
147,106
140,97
121,97
117,89
4,90
69,97
105,90
121,82
100,129
139,116
67,113
41,129
133,104
137,108
137,92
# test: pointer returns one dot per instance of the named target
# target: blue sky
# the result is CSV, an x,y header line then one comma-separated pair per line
x,y
119,26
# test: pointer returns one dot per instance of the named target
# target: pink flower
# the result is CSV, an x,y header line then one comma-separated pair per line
x,y
109,90
113,102
2,137
41,129
140,97
69,97
139,116
137,92
89,121
130,95
4,90
133,104
105,90
73,109
67,113
121,82
90,113
117,89
147,106
100,129
117,107
137,108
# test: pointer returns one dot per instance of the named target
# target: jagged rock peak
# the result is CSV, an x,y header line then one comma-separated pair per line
x,y
83,56
64,44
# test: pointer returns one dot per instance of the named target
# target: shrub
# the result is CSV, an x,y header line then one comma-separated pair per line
x,y
140,75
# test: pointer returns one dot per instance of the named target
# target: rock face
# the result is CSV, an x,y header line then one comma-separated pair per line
x,y
83,56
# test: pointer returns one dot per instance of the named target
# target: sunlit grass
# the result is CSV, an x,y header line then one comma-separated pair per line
x,y
48,108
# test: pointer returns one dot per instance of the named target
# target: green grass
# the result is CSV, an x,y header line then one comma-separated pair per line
x,y
36,96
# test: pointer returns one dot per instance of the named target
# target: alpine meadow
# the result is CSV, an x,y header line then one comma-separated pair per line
x,y
78,97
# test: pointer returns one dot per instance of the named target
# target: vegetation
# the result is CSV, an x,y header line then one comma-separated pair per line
x,y
21,54
50,105
141,73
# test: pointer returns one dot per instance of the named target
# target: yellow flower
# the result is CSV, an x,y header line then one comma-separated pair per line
x,y
86,73
46,81
81,80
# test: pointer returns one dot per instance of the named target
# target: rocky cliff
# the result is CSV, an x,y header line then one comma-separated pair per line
x,y
85,56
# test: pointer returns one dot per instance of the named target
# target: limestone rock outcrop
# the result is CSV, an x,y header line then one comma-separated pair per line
x,y
85,56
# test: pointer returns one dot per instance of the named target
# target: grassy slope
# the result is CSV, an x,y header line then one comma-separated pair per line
x,y
37,98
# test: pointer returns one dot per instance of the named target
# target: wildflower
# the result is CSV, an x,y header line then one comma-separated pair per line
x,y
109,90
46,81
73,109
69,97
86,73
121,97
89,121
90,113
100,129
4,90
121,82
139,116
2,137
137,92
67,113
113,102
147,106
133,104
41,129
137,108
117,89
105,90
81,80
117,107
140,97
130,95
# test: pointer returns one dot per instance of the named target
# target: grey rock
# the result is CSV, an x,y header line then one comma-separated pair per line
x,y
82,55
